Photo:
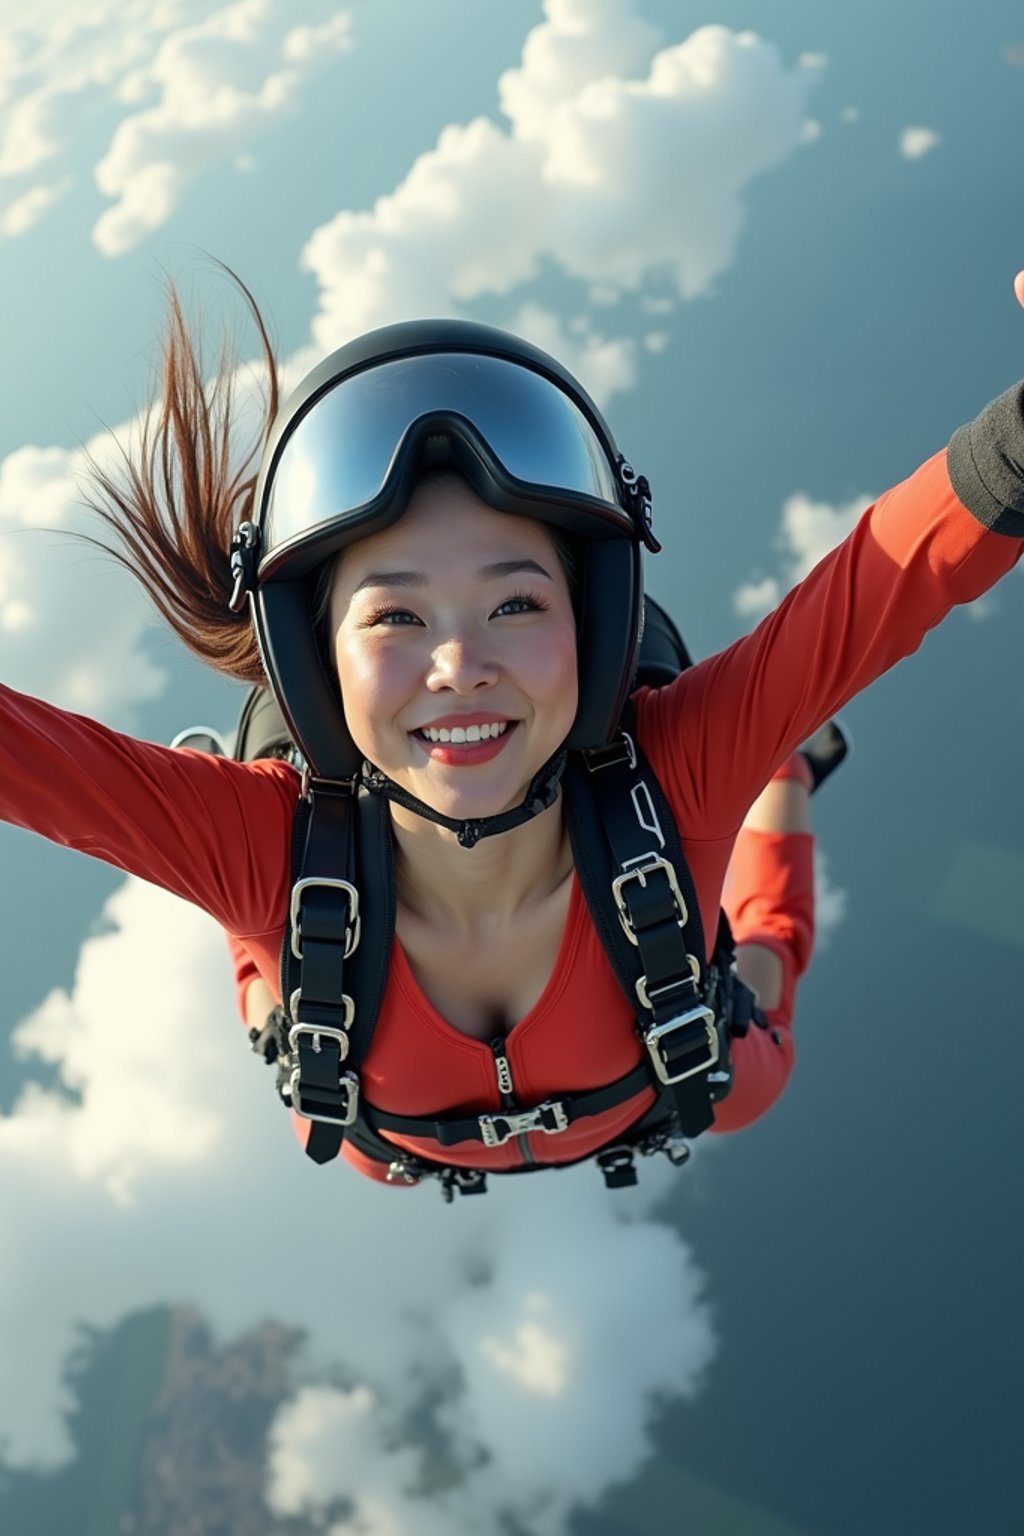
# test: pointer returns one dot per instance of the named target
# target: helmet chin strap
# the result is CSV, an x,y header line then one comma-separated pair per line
x,y
541,794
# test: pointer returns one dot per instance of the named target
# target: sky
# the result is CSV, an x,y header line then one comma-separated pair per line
x,y
778,245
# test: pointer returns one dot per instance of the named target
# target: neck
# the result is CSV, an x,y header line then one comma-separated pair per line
x,y
471,888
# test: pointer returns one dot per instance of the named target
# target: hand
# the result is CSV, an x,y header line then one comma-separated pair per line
x,y
1018,288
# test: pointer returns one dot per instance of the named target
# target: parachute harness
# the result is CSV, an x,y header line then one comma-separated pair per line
x,y
640,894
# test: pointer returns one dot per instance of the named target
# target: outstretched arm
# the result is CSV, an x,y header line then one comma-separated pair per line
x,y
213,831
941,538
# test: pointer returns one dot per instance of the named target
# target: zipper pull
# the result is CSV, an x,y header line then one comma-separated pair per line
x,y
503,1070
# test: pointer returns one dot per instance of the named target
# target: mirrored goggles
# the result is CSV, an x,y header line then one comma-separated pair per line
x,y
349,464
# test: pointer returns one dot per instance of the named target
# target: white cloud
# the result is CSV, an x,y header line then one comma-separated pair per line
x,y
218,84
72,626
578,42
514,1331
916,142
830,903
754,599
23,212
602,364
200,81
809,530
617,166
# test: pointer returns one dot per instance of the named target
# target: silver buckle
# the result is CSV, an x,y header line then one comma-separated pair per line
x,y
643,992
321,1031
348,1083
497,1129
353,928
654,861
294,1007
657,1032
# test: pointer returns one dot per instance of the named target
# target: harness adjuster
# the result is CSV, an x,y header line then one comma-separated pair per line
x,y
352,927
620,750
653,865
333,1105
690,1032
550,1117
654,997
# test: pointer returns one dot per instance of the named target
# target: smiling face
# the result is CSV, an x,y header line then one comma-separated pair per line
x,y
455,646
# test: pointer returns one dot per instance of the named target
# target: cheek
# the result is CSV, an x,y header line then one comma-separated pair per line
x,y
550,663
373,678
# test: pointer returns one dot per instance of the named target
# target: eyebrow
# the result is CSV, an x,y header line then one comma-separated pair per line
x,y
418,579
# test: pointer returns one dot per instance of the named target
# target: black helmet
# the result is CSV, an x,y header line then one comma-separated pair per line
x,y
343,459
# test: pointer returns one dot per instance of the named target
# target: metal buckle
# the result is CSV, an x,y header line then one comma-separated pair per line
x,y
653,1036
602,757
497,1129
348,1086
647,994
399,1172
655,862
323,1031
352,928
348,1082
295,1003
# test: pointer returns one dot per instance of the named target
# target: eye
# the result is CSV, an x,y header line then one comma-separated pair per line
x,y
389,615
522,602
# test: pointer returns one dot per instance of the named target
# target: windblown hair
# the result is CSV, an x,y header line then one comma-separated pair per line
x,y
175,501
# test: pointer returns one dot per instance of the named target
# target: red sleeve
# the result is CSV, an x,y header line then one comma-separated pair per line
x,y
208,829
245,969
721,729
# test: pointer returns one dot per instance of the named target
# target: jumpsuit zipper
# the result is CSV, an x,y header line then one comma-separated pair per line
x,y
506,1088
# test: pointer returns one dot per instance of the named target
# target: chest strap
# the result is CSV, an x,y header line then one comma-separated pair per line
x,y
494,1129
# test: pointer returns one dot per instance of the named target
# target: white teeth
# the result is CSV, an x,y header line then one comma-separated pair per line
x,y
470,733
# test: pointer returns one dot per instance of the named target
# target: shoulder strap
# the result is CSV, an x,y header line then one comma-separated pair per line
x,y
638,887
336,954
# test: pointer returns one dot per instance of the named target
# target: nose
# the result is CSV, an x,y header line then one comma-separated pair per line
x,y
462,664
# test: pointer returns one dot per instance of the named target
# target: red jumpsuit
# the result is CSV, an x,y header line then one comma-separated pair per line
x,y
218,832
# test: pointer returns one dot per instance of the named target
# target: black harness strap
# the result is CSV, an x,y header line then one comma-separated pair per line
x,y
656,930
495,1128
325,966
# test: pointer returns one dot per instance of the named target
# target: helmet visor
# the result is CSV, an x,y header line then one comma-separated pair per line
x,y
340,472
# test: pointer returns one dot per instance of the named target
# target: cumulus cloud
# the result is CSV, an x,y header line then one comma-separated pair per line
x,y
71,626
618,164
917,142
217,84
23,212
200,82
512,1335
809,530
830,902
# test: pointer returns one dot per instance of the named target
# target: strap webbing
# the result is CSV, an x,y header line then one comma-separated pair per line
x,y
622,796
449,1130
336,835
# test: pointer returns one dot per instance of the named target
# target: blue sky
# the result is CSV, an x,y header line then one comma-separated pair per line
x,y
783,260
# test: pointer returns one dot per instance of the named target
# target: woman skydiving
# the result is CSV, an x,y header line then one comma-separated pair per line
x,y
490,907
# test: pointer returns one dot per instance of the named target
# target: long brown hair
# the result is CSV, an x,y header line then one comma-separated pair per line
x,y
175,500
